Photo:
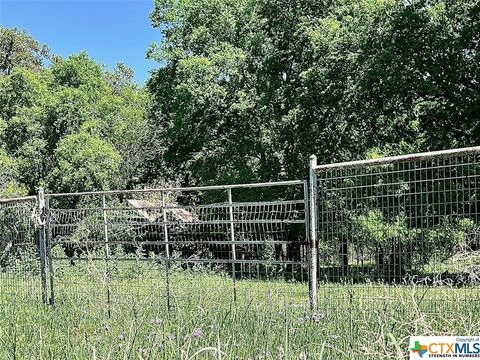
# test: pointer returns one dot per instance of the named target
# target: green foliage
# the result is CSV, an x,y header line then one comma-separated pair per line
x,y
400,248
120,78
9,187
248,89
84,163
266,83
392,243
24,260
18,49
79,72
375,231
450,237
49,117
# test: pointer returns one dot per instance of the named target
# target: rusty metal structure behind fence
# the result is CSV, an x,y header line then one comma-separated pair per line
x,y
398,230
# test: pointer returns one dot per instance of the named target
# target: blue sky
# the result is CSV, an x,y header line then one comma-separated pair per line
x,y
108,30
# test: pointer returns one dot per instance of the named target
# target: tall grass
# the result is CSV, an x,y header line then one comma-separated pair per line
x,y
269,320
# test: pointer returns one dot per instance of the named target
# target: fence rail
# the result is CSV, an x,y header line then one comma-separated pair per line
x,y
188,189
398,159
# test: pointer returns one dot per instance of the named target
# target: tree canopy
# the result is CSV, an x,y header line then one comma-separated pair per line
x,y
245,91
17,48
250,88
71,126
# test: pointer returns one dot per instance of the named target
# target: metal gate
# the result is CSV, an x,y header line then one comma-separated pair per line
x,y
175,246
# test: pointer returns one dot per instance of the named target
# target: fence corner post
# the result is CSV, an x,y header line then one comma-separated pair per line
x,y
107,255
48,230
42,244
313,232
167,249
232,240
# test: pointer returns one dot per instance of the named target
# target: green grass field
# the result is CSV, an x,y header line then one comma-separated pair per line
x,y
269,320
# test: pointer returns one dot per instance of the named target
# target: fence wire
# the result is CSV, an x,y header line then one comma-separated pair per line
x,y
171,247
400,234
19,256
393,235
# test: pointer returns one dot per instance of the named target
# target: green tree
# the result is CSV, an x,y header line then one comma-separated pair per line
x,y
248,89
18,49
40,108
120,78
9,186
84,163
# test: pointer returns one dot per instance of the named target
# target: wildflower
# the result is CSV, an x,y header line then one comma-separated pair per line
x,y
302,356
172,337
197,332
121,337
156,321
317,318
301,320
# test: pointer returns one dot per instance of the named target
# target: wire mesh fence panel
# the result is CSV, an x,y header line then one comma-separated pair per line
x,y
75,250
19,252
179,247
400,234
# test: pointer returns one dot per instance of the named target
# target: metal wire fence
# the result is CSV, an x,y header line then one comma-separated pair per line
x,y
396,228
170,247
370,235
19,255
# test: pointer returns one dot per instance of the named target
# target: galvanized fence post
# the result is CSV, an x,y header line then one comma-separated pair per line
x,y
167,250
42,245
313,233
48,225
107,253
306,220
232,239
